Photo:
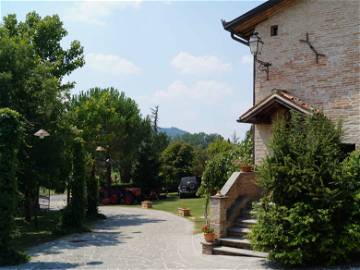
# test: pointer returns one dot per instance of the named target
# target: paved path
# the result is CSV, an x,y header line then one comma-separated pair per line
x,y
134,238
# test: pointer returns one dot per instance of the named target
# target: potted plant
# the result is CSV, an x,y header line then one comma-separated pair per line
x,y
184,211
209,234
245,163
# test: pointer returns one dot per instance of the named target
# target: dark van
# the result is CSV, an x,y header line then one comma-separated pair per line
x,y
188,186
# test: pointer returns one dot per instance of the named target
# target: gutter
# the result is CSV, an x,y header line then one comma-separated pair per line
x,y
239,38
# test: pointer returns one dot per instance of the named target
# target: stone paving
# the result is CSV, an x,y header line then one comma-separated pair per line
x,y
134,238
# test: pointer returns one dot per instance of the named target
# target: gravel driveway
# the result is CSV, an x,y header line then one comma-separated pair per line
x,y
133,238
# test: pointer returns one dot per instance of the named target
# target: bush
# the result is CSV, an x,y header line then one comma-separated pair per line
x,y
92,190
176,162
74,214
309,209
216,173
11,135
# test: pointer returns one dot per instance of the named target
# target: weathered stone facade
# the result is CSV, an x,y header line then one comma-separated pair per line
x,y
333,84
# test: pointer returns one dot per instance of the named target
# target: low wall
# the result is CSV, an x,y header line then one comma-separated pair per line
x,y
238,191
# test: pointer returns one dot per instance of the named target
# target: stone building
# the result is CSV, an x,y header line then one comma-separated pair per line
x,y
310,59
306,58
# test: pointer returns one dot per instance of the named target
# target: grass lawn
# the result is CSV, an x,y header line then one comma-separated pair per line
x,y
172,203
28,235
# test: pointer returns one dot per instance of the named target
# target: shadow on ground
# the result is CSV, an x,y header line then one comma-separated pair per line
x,y
105,233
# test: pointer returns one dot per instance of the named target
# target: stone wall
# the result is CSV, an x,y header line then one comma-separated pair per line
x,y
333,84
239,186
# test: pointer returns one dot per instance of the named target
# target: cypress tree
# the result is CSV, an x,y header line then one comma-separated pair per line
x,y
11,135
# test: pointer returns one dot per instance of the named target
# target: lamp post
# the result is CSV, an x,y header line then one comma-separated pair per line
x,y
108,166
256,44
41,133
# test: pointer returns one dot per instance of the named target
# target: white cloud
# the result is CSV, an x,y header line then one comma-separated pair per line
x,y
246,59
189,64
95,12
111,63
201,91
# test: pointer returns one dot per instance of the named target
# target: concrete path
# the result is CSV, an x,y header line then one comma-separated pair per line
x,y
134,238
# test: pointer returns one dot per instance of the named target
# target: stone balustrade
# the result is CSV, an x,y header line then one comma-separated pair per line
x,y
238,191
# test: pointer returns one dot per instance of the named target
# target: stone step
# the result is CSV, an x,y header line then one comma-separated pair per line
x,y
238,231
245,222
238,242
238,252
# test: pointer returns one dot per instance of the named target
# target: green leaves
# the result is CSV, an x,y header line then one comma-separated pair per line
x,y
11,135
176,162
309,211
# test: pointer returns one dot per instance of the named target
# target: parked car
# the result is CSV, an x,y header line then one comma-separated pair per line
x,y
188,186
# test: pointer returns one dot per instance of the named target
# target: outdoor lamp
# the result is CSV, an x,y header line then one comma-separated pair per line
x,y
255,44
100,149
41,133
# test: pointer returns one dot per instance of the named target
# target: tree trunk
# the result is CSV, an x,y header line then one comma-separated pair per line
x,y
28,209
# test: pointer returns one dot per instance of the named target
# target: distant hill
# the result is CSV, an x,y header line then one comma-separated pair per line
x,y
173,132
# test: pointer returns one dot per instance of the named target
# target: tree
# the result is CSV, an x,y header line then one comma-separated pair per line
x,y
92,189
11,134
155,117
199,139
219,146
176,162
305,215
109,119
74,214
146,172
32,67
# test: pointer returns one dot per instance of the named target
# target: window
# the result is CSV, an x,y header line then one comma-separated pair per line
x,y
274,30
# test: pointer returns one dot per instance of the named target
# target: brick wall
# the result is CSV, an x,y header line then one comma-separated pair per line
x,y
332,85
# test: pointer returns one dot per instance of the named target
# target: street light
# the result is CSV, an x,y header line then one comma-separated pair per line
x,y
41,133
108,166
256,44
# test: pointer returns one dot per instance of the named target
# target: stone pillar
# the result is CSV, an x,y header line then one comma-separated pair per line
x,y
218,214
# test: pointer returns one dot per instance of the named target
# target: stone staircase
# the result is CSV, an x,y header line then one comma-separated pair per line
x,y
236,242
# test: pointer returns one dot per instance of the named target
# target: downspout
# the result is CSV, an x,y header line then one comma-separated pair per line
x,y
243,41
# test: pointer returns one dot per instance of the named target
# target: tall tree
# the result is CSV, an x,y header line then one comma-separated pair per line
x,y
32,68
111,120
155,117
11,134
176,162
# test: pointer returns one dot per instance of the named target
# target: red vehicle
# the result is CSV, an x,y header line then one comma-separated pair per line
x,y
120,195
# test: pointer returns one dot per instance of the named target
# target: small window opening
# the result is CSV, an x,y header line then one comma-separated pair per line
x,y
274,30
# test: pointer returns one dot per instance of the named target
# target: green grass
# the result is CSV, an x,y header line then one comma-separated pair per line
x,y
172,203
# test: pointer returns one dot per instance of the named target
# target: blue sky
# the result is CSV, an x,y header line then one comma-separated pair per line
x,y
172,54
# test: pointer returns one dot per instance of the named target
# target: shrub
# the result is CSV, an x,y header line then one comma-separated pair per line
x,y
176,162
74,214
92,190
308,212
11,135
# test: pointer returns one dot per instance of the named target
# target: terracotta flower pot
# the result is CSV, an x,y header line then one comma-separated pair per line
x,y
246,168
209,237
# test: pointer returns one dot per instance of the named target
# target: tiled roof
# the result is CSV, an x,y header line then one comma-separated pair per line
x,y
278,97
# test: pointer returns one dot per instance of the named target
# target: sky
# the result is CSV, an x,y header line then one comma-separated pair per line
x,y
172,54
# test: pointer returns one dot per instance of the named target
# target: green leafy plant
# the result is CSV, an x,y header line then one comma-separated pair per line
x,y
176,162
309,209
74,214
11,135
